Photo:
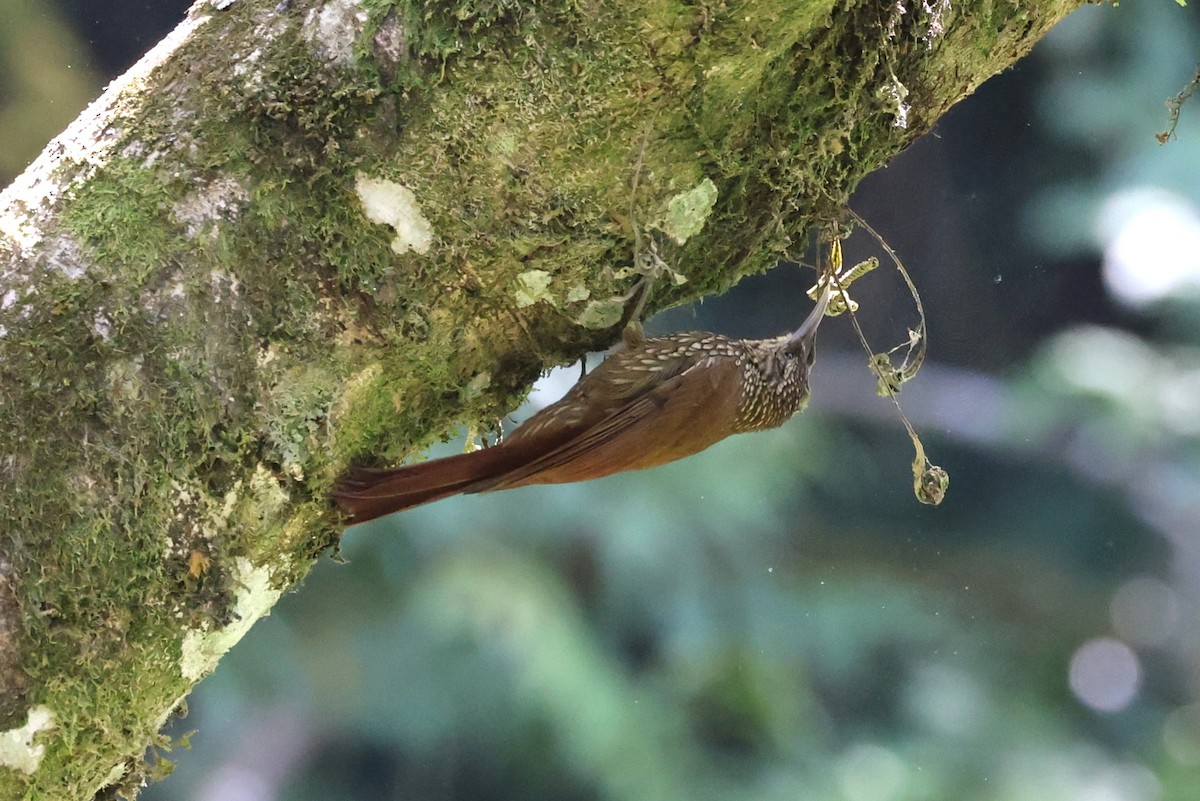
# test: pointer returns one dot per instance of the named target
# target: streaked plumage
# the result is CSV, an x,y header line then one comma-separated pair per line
x,y
661,400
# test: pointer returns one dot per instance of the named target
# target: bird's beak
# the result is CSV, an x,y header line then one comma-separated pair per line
x,y
804,336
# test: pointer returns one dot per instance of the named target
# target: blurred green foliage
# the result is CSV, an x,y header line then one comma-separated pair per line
x,y
45,80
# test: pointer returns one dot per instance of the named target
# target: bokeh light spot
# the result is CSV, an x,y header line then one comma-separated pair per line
x,y
1151,240
1105,674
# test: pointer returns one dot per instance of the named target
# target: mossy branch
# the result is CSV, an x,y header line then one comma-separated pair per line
x,y
300,233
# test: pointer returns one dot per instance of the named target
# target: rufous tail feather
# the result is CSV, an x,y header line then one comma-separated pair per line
x,y
366,494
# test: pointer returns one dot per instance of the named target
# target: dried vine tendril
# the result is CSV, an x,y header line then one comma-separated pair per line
x,y
1175,105
930,481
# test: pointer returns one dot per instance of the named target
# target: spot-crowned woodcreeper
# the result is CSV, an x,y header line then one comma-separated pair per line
x,y
649,403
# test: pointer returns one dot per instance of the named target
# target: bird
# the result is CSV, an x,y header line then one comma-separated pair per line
x,y
652,401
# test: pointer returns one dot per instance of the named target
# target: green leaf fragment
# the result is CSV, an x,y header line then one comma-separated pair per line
x,y
532,286
687,211
602,313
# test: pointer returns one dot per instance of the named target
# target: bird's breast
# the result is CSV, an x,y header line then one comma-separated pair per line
x,y
768,401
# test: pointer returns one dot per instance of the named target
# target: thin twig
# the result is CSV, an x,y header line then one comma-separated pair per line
x,y
635,319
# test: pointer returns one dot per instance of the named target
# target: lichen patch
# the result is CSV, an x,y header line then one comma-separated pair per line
x,y
17,747
203,647
62,253
218,200
18,229
269,496
894,94
101,326
687,211
389,203
532,286
334,28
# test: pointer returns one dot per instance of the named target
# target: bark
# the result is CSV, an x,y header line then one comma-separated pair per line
x,y
304,232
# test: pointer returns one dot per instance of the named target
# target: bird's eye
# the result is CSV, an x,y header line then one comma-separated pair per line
x,y
789,355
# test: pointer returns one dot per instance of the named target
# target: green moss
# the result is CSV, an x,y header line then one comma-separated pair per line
x,y
125,220
155,420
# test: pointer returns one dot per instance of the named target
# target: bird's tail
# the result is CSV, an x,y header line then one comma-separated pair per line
x,y
366,494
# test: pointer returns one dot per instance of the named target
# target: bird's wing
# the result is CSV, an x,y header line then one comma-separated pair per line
x,y
675,418
619,380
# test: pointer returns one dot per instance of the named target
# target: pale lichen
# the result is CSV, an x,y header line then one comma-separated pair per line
x,y
254,596
599,314
476,386
936,11
687,211
894,94
270,498
217,200
17,747
389,203
532,286
334,28
101,326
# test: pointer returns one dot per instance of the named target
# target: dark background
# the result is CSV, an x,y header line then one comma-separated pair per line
x,y
778,617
